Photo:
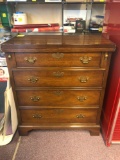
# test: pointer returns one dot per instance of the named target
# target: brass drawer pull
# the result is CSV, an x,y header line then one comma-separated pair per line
x,y
106,56
38,116
58,74
33,79
81,98
9,56
30,59
58,55
35,98
85,59
83,79
58,92
80,116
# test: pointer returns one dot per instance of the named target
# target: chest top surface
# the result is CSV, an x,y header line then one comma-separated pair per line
x,y
60,42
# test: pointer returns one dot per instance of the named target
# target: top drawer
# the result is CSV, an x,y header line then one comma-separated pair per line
x,y
58,59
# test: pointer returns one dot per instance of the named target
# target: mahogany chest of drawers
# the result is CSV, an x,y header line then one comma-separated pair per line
x,y
58,81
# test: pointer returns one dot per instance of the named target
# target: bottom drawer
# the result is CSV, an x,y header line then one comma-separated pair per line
x,y
59,115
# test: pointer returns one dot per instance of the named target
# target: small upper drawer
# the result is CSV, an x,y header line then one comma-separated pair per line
x,y
56,77
58,115
58,59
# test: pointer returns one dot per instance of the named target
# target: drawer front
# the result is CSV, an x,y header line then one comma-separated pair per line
x,y
59,116
58,59
58,98
58,78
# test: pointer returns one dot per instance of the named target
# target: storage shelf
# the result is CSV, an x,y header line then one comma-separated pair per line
x,y
63,5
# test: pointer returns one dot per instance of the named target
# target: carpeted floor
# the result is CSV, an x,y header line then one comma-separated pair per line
x,y
59,145
7,151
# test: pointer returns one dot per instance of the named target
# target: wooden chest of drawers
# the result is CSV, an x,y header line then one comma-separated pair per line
x,y
58,81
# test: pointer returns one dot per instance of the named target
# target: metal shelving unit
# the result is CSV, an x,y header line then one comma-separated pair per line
x,y
88,5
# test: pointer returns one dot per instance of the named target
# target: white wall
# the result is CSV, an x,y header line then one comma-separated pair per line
x,y
98,9
75,10
41,13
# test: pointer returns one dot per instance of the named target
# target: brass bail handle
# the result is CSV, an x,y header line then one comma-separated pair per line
x,y
80,116
37,116
32,79
30,59
58,74
85,59
81,98
58,55
35,98
83,79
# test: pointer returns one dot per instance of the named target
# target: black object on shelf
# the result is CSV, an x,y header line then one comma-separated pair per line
x,y
80,25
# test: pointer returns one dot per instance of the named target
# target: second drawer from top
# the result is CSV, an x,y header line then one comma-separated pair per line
x,y
58,77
